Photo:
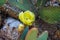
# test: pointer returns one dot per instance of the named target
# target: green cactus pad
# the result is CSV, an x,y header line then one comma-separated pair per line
x,y
43,36
24,33
22,4
50,14
32,34
2,2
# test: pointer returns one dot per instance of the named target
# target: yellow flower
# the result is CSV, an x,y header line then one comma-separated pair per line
x,y
27,17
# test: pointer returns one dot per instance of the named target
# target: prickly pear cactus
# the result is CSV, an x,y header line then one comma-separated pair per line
x,y
50,14
24,33
21,4
43,36
32,34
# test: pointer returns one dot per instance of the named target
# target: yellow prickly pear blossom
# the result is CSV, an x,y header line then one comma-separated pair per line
x,y
27,17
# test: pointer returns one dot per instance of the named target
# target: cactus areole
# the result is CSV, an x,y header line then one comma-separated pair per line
x,y
50,14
